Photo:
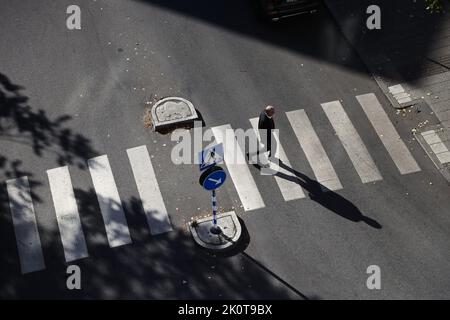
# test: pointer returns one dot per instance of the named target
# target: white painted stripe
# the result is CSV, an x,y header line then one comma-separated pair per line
x,y
290,189
387,133
350,139
148,188
67,216
25,226
313,149
237,168
109,201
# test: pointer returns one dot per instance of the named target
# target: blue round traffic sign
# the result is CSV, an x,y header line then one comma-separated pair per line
x,y
213,178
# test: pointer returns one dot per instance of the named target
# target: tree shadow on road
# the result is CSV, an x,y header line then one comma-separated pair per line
x,y
22,125
166,266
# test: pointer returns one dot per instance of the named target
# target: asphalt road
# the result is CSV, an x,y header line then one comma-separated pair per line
x,y
68,96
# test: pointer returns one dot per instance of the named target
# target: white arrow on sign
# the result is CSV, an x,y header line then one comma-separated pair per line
x,y
216,181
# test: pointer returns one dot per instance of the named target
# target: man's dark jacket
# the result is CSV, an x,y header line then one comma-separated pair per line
x,y
265,122
265,125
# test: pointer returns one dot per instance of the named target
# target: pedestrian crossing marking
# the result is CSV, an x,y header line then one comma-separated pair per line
x,y
387,133
25,225
352,142
289,189
313,149
149,192
67,216
109,201
237,167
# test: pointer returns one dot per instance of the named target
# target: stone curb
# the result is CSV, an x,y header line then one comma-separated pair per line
x,y
444,169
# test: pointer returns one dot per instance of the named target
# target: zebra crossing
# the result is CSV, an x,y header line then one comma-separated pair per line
x,y
152,200
67,214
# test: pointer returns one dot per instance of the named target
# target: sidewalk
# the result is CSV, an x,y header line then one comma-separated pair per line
x,y
409,57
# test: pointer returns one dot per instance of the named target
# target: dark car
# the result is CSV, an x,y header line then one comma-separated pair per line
x,y
276,9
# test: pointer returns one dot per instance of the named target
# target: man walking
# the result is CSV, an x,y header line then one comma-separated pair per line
x,y
265,127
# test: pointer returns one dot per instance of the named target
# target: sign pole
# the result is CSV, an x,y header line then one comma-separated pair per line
x,y
215,229
214,203
212,178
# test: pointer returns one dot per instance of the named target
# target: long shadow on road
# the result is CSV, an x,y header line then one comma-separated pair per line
x,y
326,197
322,195
317,191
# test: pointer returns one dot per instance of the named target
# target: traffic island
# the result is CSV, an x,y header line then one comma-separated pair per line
x,y
172,112
225,236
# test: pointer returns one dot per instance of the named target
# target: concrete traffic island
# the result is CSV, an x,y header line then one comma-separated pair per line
x,y
171,112
205,235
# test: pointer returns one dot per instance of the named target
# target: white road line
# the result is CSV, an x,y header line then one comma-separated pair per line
x,y
387,133
67,216
148,188
109,200
313,149
350,139
237,167
25,226
290,189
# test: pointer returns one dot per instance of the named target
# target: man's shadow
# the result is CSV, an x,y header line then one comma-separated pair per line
x,y
326,197
321,194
